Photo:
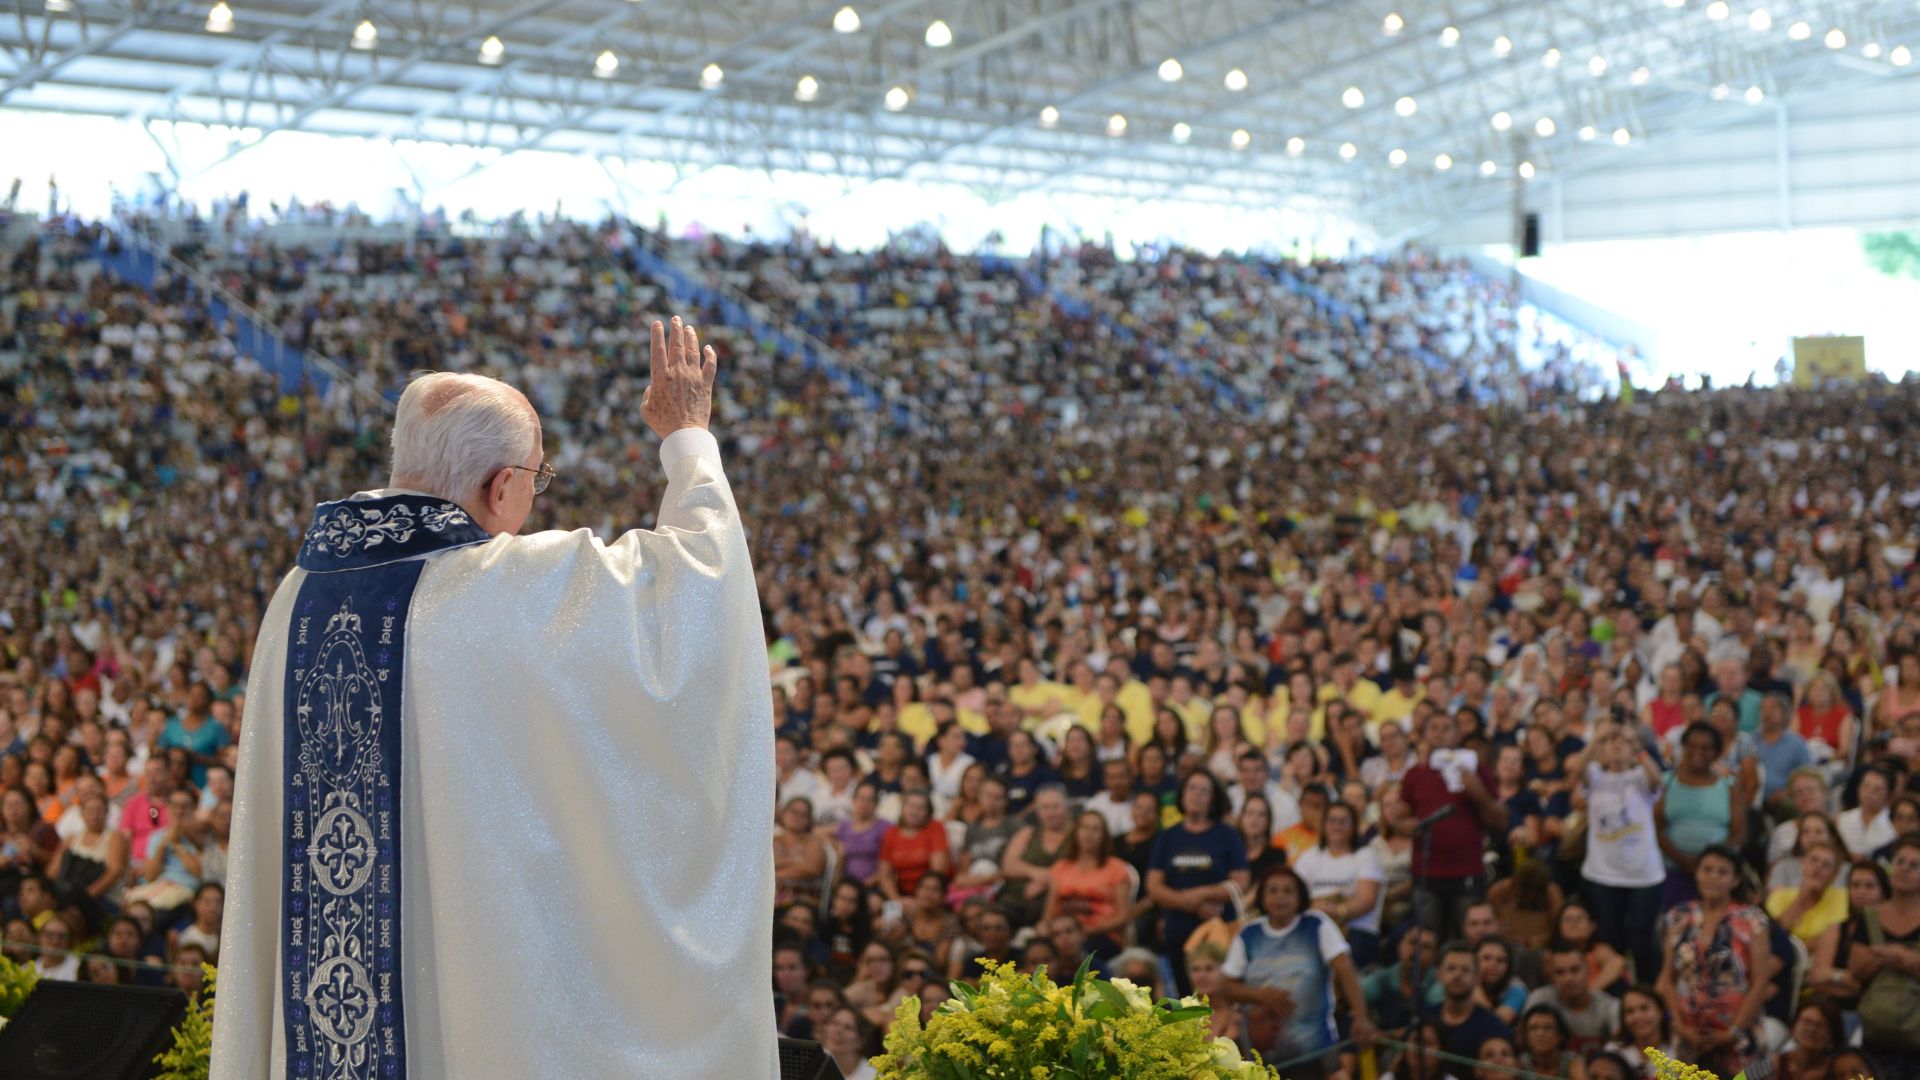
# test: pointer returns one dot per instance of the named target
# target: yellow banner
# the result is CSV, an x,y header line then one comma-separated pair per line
x,y
1818,360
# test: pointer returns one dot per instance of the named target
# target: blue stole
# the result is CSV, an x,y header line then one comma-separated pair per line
x,y
340,879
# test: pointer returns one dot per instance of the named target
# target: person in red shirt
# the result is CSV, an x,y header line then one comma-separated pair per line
x,y
911,848
1449,867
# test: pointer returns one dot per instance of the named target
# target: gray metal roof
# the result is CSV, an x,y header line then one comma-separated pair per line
x,y
973,109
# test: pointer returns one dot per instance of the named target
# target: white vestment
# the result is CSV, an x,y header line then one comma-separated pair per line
x,y
585,811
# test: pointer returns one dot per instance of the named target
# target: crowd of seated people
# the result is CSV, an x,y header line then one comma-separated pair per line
x,y
1406,695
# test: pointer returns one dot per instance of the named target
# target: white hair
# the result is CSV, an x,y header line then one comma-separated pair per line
x,y
452,431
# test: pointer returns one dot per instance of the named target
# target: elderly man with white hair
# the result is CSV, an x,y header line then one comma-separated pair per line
x,y
504,801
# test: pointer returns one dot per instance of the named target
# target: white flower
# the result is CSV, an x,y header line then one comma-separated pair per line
x,y
1226,1054
1139,995
1190,1001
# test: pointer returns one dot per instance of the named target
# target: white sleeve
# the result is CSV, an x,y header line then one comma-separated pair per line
x,y
1332,942
1367,868
1286,808
687,442
1235,965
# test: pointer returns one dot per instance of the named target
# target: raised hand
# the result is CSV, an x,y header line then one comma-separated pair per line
x,y
681,393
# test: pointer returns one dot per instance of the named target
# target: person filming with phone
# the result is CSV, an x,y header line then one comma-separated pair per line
x,y
1448,792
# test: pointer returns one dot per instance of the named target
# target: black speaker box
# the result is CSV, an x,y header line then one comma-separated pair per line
x,y
84,1031
801,1060
1530,237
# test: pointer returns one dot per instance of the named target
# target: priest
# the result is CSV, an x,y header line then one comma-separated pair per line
x,y
504,805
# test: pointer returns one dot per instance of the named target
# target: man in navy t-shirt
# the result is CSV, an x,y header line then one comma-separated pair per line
x,y
1192,864
1464,1023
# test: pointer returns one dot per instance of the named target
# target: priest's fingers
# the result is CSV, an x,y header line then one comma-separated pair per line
x,y
709,365
659,354
692,353
677,345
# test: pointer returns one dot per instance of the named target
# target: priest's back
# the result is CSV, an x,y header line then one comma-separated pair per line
x,y
503,806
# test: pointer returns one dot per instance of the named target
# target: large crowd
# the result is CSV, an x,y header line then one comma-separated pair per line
x,y
1394,697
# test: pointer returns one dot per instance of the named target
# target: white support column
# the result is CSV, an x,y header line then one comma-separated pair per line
x,y
1783,167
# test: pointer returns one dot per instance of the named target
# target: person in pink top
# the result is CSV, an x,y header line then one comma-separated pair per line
x,y
146,811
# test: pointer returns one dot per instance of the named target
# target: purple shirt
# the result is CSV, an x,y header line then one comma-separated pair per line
x,y
862,847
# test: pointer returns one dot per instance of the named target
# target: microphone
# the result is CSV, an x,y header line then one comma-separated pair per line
x,y
1434,818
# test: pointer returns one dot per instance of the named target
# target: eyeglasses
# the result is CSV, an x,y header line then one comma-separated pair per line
x,y
913,973
542,476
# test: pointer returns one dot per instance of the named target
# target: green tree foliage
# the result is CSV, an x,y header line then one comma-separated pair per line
x,y
1895,254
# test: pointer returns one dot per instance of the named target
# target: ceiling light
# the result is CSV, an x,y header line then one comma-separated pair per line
x,y
1501,121
1170,70
606,64
1587,133
806,89
1116,125
1718,10
896,98
1800,31
491,50
1621,136
1545,127
220,18
939,34
1550,59
1049,116
1761,19
1406,106
1396,157
1526,170
1488,168
55,7
1393,23
1900,56
1871,50
1640,76
1352,98
1182,132
1676,3
1236,80
1347,150
1596,66
1449,37
365,35
1755,95
1720,91
711,75
1242,138
1442,162
1836,38
846,21
1296,146
1502,45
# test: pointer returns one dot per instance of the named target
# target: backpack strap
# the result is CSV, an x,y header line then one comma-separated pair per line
x,y
1876,935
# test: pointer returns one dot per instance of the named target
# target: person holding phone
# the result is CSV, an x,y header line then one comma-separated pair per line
x,y
1449,867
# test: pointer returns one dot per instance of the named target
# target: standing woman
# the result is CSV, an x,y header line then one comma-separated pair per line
x,y
1193,862
1697,809
1717,968
1622,868
1344,882
1886,946
1089,883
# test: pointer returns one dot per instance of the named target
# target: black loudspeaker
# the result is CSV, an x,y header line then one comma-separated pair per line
x,y
799,1060
1530,237
84,1031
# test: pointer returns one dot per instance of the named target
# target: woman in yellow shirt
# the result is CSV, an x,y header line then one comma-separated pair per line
x,y
1818,903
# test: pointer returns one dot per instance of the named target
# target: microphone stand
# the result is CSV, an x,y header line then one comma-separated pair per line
x,y
1422,867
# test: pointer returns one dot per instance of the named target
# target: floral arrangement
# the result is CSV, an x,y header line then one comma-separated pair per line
x,y
191,1056
1014,1027
16,982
